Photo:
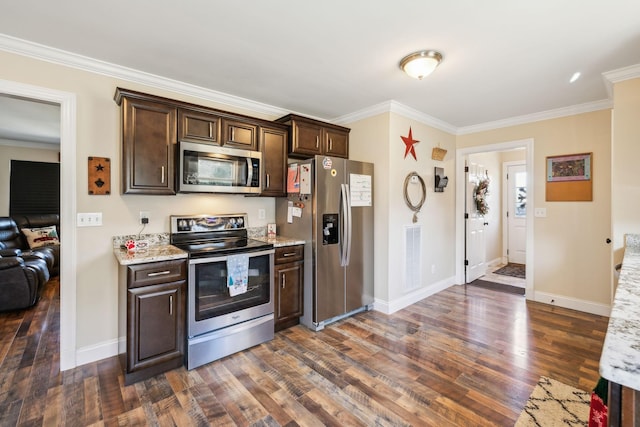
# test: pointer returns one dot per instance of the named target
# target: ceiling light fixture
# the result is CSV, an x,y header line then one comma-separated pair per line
x,y
420,64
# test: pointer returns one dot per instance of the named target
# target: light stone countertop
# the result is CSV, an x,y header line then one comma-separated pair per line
x,y
162,252
280,241
620,360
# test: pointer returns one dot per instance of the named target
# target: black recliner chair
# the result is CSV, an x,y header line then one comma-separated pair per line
x,y
21,282
12,238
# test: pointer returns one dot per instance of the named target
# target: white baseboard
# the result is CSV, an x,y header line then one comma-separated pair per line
x,y
93,353
573,303
495,262
412,297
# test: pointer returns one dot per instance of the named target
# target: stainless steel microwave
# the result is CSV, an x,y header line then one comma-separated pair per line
x,y
207,168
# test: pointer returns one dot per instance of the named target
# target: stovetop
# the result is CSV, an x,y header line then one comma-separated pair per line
x,y
213,235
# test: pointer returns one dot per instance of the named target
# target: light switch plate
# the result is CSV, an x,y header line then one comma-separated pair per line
x,y
90,219
540,212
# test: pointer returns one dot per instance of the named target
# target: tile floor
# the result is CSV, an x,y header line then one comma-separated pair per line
x,y
499,278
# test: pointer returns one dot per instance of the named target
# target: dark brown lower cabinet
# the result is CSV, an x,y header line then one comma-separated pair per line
x,y
289,285
155,318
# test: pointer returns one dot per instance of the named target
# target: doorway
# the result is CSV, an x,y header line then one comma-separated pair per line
x,y
461,191
514,230
67,102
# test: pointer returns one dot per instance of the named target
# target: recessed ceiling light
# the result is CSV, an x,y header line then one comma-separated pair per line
x,y
575,77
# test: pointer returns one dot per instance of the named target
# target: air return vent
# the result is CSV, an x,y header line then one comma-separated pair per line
x,y
412,256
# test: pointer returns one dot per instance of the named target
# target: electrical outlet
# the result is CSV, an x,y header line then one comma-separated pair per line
x,y
262,214
144,217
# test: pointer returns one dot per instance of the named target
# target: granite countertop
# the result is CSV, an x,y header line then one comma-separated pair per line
x,y
161,252
620,360
280,241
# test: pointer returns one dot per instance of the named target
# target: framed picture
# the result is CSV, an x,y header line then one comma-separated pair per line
x,y
570,178
575,167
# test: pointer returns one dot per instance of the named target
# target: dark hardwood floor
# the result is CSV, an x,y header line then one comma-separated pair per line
x,y
467,356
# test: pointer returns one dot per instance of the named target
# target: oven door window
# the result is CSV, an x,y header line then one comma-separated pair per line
x,y
212,294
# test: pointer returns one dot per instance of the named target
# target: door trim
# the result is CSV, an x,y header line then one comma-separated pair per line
x,y
460,203
68,241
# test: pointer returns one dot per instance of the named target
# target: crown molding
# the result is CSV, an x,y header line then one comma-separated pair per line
x,y
39,145
536,117
619,75
397,108
61,57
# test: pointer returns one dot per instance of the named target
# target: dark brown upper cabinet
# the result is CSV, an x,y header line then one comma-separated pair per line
x,y
148,146
239,134
311,137
196,126
152,126
273,145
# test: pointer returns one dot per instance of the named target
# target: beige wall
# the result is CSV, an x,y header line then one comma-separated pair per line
x,y
15,152
378,139
368,142
625,176
571,256
98,134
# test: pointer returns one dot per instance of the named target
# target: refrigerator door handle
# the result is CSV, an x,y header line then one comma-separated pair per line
x,y
349,224
345,255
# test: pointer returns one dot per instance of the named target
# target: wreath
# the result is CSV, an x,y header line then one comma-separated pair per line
x,y
480,193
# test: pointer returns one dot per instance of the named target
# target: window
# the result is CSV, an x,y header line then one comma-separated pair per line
x,y
35,188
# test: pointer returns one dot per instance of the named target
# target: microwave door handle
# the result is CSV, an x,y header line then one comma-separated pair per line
x,y
249,172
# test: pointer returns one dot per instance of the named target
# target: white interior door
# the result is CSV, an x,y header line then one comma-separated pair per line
x,y
475,236
517,213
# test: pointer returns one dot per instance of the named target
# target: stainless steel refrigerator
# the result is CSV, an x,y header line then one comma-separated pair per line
x,y
330,206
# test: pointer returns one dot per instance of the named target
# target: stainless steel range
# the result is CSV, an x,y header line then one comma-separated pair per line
x,y
230,286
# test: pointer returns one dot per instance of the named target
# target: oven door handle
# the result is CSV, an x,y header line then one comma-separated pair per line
x,y
214,258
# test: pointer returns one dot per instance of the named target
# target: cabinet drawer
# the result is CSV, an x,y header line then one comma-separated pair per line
x,y
289,254
156,272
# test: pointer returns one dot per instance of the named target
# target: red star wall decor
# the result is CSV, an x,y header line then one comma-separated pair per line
x,y
409,143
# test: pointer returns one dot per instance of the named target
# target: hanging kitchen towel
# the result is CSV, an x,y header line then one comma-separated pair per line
x,y
237,274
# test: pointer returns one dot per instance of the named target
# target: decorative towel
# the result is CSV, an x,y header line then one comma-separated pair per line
x,y
598,410
237,274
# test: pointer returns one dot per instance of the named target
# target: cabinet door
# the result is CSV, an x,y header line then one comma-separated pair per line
x,y
149,147
239,134
197,126
273,145
289,279
155,325
306,138
336,143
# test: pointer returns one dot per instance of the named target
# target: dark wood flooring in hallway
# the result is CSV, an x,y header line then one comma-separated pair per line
x,y
466,356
